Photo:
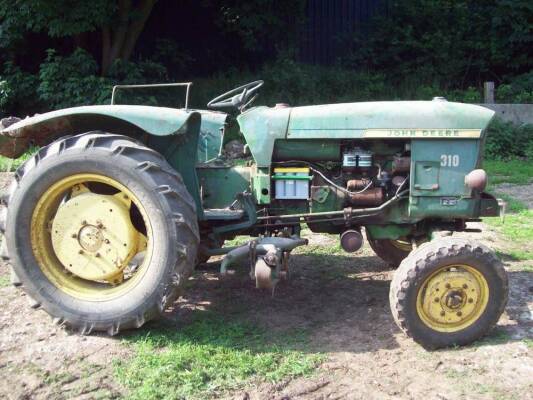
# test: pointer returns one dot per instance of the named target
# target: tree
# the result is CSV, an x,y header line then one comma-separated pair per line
x,y
116,25
118,41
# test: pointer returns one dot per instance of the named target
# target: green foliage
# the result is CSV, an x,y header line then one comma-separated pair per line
x,y
17,90
207,357
260,23
449,43
297,84
57,18
71,81
506,140
8,164
518,90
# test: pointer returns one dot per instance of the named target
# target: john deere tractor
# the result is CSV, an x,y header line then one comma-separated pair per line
x,y
107,220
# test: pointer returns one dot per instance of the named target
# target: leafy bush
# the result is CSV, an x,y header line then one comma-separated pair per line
x,y
287,81
506,140
518,90
17,91
450,43
72,81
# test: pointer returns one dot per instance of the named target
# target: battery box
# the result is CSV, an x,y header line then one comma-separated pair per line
x,y
291,183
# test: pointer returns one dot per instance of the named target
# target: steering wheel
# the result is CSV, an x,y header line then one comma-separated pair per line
x,y
238,98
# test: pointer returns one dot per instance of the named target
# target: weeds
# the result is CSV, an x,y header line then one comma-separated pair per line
x,y
208,357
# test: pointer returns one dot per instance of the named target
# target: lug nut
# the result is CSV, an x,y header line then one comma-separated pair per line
x,y
465,286
436,299
74,236
470,300
448,286
106,241
459,313
80,252
442,313
97,255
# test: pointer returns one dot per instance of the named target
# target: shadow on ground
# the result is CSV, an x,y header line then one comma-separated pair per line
x,y
340,303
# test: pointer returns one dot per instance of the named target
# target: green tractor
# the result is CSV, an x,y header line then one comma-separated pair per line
x,y
105,223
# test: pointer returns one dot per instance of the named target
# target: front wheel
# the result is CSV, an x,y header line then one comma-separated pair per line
x,y
101,232
448,292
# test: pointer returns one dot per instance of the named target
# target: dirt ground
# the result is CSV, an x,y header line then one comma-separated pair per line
x,y
341,300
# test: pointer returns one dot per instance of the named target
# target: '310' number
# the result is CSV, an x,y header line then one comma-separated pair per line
x,y
449,160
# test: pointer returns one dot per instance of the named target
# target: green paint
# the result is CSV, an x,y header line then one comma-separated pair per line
x,y
440,166
314,150
159,121
389,231
188,139
210,140
339,121
261,127
221,184
261,185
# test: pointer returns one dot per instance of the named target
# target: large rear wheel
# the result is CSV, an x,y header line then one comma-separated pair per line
x,y
101,232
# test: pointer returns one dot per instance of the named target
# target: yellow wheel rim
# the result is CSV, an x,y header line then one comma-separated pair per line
x,y
452,298
85,242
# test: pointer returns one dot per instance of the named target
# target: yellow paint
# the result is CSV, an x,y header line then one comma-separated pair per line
x,y
452,298
422,133
93,284
93,236
290,170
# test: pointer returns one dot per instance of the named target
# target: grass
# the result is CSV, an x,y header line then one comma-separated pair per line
x,y
8,164
518,229
210,356
518,172
4,281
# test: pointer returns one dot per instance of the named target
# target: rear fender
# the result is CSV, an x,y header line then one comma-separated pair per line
x,y
42,129
173,132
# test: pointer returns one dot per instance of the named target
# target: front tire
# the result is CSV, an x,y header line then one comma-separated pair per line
x,y
131,203
448,292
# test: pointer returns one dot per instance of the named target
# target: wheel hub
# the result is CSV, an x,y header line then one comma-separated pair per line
x,y
93,237
90,238
452,298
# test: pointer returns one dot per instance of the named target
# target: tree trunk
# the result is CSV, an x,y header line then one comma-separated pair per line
x,y
118,42
136,27
106,50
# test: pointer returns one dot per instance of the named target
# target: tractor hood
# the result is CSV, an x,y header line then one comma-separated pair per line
x,y
389,119
41,129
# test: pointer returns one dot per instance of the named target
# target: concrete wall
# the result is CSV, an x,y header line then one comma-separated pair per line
x,y
516,113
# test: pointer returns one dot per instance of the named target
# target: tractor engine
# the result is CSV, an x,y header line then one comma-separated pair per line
x,y
346,174
368,182
363,177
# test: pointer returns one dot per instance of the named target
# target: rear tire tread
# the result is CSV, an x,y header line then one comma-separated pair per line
x,y
168,183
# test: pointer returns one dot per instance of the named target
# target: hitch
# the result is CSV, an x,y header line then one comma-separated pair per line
x,y
269,259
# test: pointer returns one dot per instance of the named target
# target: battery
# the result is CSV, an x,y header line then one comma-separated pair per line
x,y
291,183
